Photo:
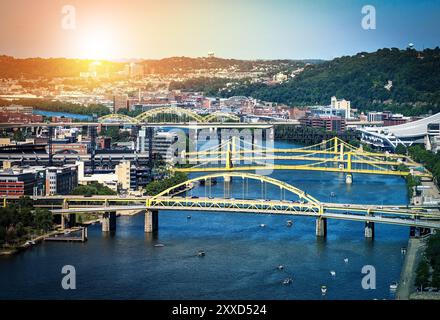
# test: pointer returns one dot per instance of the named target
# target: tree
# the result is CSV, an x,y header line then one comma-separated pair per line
x,y
422,274
401,149
93,189
43,219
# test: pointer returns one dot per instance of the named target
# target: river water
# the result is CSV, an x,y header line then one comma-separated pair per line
x,y
241,256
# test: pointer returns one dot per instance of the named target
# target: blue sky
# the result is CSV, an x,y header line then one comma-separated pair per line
x,y
248,29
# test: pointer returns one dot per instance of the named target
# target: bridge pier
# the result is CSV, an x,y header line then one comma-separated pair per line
x,y
151,221
417,232
321,227
369,230
349,178
108,222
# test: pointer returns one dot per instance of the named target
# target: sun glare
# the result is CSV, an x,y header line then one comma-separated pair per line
x,y
96,45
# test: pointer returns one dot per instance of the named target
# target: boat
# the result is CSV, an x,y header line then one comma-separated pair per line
x,y
262,225
287,281
333,273
403,250
323,289
188,217
289,223
393,286
332,194
346,260
201,253
280,267
159,245
29,243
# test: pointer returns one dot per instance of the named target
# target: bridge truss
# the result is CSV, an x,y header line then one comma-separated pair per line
x,y
293,202
334,155
169,115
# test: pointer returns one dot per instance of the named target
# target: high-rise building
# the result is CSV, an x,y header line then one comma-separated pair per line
x,y
61,180
123,171
341,104
120,102
161,144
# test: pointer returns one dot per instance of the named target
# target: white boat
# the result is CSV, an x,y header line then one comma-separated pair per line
x,y
280,267
393,286
333,273
188,217
29,243
323,289
159,245
262,225
201,253
287,281
289,223
403,250
346,260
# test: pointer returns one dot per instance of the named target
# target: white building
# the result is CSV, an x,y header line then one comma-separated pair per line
x,y
162,143
341,104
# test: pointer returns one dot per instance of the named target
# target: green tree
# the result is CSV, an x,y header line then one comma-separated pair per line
x,y
422,274
400,149
43,219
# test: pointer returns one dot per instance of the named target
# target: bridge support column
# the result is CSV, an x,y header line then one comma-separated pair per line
x,y
349,178
108,222
369,230
151,221
321,227
71,220
63,222
417,232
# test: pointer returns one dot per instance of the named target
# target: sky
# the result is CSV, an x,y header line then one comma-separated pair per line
x,y
242,29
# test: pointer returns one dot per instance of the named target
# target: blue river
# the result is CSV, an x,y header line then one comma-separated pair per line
x,y
62,114
241,257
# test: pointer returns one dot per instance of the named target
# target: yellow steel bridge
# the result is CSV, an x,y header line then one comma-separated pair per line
x,y
293,201
169,115
334,155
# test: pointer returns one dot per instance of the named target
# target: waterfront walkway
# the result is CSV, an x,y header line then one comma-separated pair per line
x,y
408,274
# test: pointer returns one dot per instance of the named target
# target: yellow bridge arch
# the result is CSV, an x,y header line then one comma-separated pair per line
x,y
118,118
282,185
169,110
143,117
217,115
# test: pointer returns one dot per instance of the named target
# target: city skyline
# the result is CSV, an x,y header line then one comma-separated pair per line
x,y
137,29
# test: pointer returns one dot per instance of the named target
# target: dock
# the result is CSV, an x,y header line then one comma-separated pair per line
x,y
63,237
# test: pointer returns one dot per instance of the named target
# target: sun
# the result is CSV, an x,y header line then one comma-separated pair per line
x,y
96,45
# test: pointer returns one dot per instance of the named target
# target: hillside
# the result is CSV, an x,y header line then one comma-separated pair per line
x,y
186,64
33,68
361,78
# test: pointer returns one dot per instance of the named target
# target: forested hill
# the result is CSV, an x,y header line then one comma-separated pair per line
x,y
415,77
33,68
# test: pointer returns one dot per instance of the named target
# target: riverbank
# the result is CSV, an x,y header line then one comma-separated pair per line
x,y
24,246
416,247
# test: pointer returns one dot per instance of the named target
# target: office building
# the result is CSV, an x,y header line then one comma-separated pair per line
x,y
61,180
341,104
